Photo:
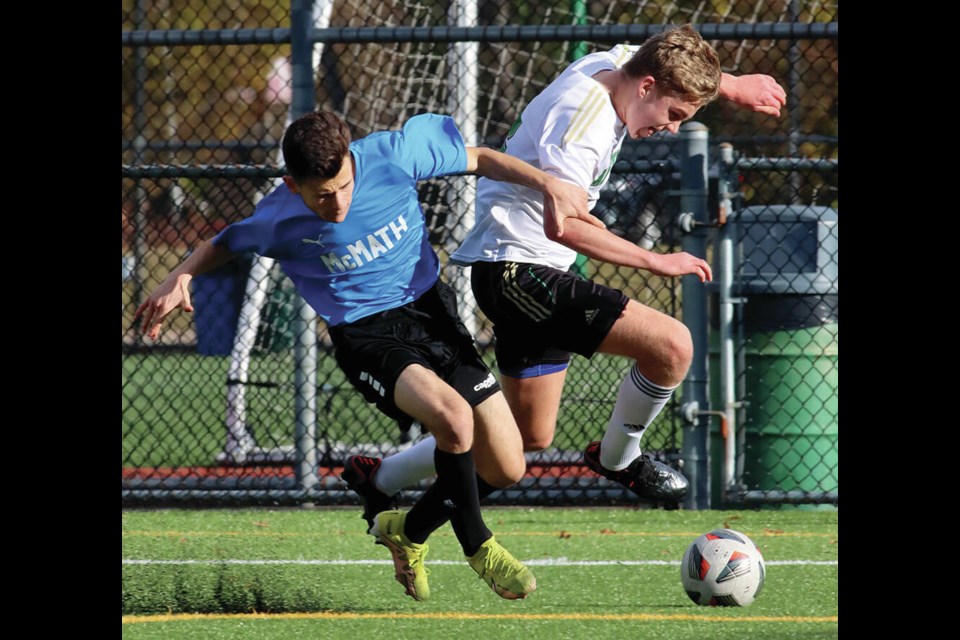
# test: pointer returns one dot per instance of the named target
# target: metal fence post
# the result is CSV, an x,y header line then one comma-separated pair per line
x,y
726,312
139,217
304,317
693,208
463,97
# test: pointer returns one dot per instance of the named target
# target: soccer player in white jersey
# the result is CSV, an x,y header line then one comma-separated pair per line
x,y
520,260
347,228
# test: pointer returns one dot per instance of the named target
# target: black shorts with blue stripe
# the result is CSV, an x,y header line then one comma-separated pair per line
x,y
541,315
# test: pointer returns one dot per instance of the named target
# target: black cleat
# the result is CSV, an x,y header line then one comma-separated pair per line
x,y
645,476
358,473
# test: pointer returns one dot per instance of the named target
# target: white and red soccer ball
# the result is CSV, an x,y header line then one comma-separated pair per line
x,y
722,568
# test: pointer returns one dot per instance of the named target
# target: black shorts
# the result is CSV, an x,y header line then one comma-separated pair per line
x,y
374,351
541,315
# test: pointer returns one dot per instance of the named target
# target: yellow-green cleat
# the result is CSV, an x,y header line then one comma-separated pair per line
x,y
408,556
506,575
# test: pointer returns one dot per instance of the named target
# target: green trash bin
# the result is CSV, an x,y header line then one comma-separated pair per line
x,y
790,281
792,412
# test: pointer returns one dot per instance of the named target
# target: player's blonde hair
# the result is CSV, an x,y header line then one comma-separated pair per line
x,y
681,61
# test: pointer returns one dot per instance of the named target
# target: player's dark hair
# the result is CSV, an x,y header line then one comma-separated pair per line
x,y
315,145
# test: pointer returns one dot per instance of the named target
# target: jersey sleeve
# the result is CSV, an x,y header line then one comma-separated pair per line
x,y
431,145
255,233
576,138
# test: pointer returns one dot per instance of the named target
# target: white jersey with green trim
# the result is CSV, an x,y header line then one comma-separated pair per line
x,y
570,130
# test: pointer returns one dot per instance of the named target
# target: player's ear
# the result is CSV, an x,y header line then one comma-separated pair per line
x,y
291,184
645,85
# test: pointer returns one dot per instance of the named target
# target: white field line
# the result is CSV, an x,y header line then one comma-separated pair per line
x,y
543,562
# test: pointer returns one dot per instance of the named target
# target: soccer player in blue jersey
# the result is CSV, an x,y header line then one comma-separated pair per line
x,y
348,230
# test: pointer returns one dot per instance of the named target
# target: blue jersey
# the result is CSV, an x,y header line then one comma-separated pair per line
x,y
380,256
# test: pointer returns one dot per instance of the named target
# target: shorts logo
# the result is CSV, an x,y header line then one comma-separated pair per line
x,y
590,315
366,377
486,384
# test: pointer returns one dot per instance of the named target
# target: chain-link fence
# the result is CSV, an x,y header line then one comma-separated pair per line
x,y
212,411
783,303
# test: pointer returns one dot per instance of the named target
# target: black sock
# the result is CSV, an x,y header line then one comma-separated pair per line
x,y
454,491
484,489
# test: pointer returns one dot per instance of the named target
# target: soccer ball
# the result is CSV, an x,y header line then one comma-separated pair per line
x,y
722,568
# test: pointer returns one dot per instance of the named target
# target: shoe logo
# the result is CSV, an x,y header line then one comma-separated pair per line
x,y
635,428
316,242
486,384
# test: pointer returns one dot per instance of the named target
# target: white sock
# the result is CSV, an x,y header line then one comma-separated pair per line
x,y
406,468
638,403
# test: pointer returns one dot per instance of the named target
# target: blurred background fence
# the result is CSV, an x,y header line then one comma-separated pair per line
x,y
242,403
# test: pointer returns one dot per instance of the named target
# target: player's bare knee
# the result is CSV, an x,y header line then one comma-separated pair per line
x,y
676,355
453,441
537,430
452,426
683,353
516,471
533,444
506,475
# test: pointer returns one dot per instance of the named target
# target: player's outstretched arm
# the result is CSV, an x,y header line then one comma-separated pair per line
x,y
562,200
603,245
756,92
681,264
174,291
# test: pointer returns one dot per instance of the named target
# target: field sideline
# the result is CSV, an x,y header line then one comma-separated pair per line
x,y
610,572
